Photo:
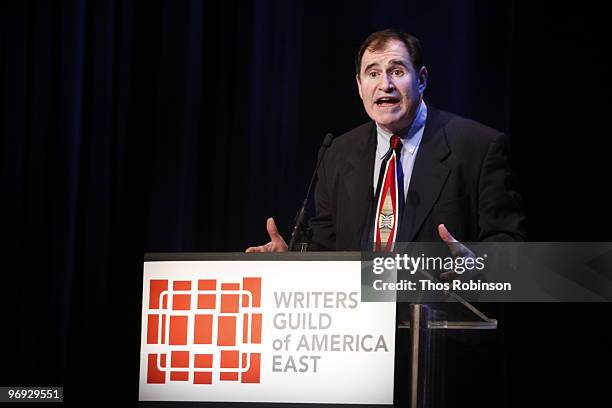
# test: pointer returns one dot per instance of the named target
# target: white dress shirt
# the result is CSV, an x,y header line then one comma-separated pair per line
x,y
410,140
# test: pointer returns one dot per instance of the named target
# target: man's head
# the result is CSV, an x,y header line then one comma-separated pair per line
x,y
391,78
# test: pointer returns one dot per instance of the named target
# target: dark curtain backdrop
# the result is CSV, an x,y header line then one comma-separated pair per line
x,y
135,126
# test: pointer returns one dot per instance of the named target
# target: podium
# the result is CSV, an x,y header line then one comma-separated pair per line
x,y
171,357
263,329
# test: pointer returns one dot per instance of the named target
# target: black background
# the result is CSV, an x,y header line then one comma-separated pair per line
x,y
140,126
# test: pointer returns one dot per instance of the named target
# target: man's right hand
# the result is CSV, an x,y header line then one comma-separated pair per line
x,y
276,244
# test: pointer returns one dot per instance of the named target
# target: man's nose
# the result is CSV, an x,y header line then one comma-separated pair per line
x,y
386,83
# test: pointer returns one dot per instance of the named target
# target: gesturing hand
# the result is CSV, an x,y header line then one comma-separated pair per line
x,y
456,248
276,244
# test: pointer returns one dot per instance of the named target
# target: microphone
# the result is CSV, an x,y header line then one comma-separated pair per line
x,y
301,214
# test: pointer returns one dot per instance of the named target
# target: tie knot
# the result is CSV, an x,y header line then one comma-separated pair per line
x,y
396,143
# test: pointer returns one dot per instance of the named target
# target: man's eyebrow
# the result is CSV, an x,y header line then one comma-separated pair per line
x,y
373,64
398,62
393,62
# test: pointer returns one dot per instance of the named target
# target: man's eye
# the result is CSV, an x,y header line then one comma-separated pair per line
x,y
398,72
372,74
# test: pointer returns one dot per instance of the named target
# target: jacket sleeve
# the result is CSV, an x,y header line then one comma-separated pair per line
x,y
322,226
500,214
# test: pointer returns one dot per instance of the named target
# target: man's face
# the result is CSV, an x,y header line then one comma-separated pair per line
x,y
390,87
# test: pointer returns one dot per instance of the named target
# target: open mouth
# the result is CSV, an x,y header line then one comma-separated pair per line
x,y
386,101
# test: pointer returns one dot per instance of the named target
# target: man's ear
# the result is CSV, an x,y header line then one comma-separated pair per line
x,y
423,75
358,85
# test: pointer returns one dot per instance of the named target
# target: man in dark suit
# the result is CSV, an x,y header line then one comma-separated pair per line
x,y
455,171
455,175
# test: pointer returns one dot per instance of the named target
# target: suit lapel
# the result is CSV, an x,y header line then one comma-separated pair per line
x,y
428,176
358,175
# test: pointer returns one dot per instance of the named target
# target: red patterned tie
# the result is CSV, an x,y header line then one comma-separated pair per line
x,y
388,205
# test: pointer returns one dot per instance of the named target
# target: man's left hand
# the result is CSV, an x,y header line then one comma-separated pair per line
x,y
457,250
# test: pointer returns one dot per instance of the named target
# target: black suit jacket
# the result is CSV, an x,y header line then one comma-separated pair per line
x,y
461,178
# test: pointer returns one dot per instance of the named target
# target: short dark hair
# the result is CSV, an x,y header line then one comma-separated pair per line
x,y
379,39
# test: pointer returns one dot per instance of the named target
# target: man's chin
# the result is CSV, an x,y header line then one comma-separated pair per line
x,y
390,125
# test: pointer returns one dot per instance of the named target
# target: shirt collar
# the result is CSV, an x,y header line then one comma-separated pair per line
x,y
410,139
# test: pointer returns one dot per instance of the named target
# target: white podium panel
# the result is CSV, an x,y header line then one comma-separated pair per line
x,y
287,331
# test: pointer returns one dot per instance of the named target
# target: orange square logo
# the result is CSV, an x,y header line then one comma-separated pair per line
x,y
202,328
